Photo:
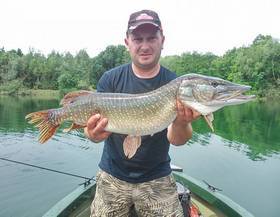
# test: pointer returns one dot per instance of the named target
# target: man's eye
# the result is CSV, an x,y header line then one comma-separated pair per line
x,y
137,39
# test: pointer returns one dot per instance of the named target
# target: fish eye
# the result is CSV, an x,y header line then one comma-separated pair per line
x,y
214,83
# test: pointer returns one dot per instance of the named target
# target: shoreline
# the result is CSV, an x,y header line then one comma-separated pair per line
x,y
57,94
50,94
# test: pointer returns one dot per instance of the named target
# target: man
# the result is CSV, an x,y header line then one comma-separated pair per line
x,y
145,180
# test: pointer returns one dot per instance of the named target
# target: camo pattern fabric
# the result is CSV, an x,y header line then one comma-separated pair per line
x,y
115,197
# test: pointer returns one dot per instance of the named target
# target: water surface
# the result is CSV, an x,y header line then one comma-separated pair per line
x,y
242,157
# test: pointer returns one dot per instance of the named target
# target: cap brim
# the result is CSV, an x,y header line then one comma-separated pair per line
x,y
131,28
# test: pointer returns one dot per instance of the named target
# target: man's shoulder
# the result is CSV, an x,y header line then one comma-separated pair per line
x,y
168,74
118,70
110,78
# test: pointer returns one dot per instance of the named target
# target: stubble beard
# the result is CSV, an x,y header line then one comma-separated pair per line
x,y
149,65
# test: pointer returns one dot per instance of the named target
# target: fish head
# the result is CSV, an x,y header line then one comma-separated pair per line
x,y
207,94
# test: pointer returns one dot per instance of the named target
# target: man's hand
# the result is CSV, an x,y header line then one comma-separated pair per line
x,y
180,131
185,115
95,128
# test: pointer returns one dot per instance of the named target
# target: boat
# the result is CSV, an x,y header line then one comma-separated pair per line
x,y
206,200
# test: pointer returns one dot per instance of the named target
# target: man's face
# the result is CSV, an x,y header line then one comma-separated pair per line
x,y
145,44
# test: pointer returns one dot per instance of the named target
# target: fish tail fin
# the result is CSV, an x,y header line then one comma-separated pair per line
x,y
42,121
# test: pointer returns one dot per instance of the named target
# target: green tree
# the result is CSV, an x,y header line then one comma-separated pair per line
x,y
83,66
257,65
111,57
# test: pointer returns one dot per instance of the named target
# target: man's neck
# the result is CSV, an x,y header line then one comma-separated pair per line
x,y
146,73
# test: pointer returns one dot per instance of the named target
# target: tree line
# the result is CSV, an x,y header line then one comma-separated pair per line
x,y
257,65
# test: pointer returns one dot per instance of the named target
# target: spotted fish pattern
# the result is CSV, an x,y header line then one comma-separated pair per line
x,y
137,115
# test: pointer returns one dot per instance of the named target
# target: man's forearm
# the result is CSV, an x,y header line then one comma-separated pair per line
x,y
179,134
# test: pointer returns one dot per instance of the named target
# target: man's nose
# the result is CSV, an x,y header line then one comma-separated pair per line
x,y
145,45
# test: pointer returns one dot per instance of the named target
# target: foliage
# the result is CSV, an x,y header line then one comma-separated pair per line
x,y
11,87
111,57
257,65
190,63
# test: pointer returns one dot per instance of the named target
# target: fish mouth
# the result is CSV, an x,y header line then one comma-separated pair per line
x,y
235,94
239,99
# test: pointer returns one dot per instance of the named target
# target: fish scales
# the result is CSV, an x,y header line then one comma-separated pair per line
x,y
137,115
133,114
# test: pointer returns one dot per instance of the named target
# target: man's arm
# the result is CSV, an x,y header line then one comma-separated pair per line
x,y
180,131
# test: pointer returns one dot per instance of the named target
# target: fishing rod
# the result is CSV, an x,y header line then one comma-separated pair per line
x,y
87,179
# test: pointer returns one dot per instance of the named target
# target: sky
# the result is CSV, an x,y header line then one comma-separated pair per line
x,y
214,26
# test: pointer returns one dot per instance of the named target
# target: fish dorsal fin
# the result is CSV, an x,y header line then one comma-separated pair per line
x,y
130,145
209,119
72,96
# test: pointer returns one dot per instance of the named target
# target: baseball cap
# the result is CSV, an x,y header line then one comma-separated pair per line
x,y
143,17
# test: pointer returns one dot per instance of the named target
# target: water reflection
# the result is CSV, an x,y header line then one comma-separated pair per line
x,y
22,185
244,149
201,139
14,109
253,127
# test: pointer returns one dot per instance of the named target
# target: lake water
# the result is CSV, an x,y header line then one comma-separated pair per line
x,y
242,157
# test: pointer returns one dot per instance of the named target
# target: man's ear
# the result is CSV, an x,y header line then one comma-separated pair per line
x,y
163,39
126,42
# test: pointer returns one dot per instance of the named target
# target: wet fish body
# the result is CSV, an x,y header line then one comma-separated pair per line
x,y
136,115
131,114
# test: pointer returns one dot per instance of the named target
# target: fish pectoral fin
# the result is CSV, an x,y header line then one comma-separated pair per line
x,y
130,145
209,119
73,127
72,96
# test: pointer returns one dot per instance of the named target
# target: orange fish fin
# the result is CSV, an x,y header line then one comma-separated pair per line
x,y
130,145
41,120
72,96
73,127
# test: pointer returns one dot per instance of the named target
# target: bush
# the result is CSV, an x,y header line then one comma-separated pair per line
x,y
66,81
11,87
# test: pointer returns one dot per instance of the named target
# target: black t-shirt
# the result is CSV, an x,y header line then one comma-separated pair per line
x,y
151,160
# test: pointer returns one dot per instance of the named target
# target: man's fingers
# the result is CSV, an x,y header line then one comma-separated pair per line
x,y
196,114
95,128
184,110
104,135
92,122
180,108
186,113
101,125
87,133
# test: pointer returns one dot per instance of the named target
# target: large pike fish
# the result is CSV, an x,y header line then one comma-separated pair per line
x,y
136,115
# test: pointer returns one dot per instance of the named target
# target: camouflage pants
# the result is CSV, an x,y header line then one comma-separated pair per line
x,y
115,197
